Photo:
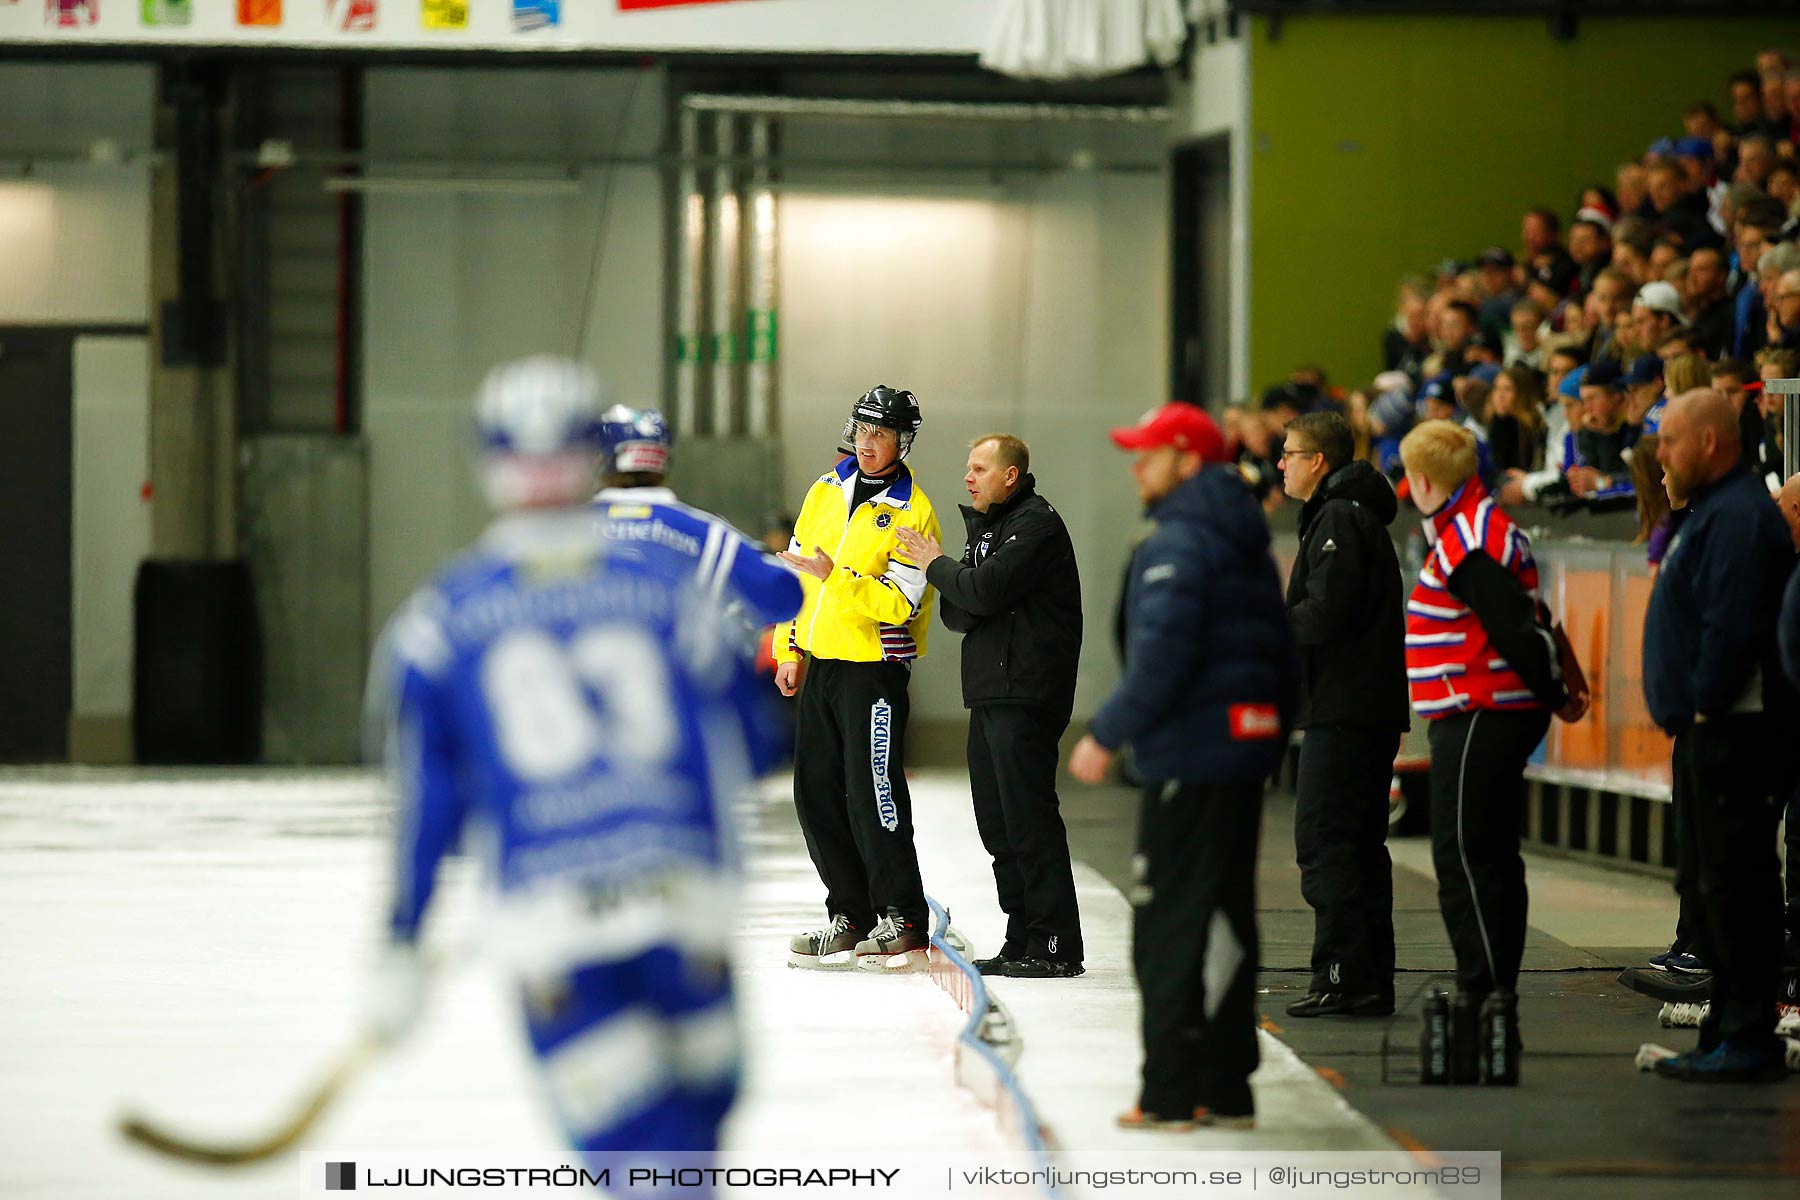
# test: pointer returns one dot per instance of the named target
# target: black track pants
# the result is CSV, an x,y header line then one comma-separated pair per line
x,y
1477,802
1194,944
850,789
1340,843
1012,775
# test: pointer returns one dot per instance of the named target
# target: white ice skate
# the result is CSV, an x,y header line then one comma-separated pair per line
x,y
1683,1016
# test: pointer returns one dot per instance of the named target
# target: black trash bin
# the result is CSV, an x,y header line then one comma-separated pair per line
x,y
197,663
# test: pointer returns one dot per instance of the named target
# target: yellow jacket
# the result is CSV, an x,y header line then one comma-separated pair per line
x,y
876,605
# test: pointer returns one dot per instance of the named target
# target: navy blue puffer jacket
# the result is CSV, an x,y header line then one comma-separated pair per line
x,y
1212,676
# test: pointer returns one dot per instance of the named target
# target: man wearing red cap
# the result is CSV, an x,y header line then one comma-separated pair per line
x,y
1210,689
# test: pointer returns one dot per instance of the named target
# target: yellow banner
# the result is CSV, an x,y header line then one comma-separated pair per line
x,y
446,14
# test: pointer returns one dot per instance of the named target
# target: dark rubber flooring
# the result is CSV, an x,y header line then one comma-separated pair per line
x,y
1584,1122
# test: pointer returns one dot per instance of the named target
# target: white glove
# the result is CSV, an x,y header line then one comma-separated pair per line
x,y
396,993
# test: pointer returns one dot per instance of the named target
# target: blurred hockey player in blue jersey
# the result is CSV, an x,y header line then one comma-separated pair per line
x,y
572,699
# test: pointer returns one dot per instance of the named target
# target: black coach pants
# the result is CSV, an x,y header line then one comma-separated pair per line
x,y
1194,944
850,789
1012,775
1725,843
1477,803
1340,843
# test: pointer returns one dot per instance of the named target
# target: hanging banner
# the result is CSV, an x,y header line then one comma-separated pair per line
x,y
351,16
168,12
71,14
536,14
445,14
259,12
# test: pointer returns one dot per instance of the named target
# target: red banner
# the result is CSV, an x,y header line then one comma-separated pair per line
x,y
629,5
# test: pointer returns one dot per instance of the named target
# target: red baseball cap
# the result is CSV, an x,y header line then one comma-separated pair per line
x,y
1183,426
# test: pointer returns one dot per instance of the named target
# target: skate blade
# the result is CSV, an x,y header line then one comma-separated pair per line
x,y
843,960
904,962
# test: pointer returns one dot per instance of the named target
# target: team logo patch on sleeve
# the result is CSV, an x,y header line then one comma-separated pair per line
x,y
1254,722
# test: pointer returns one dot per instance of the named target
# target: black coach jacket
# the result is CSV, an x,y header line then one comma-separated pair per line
x,y
1016,598
1344,598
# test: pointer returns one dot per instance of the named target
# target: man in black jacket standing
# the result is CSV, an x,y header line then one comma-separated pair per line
x,y
1344,601
1016,599
1713,681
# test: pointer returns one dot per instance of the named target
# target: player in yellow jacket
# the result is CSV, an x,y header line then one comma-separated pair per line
x,y
862,624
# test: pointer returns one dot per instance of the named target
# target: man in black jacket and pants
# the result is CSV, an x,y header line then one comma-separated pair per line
x,y
1016,599
1344,601
1713,680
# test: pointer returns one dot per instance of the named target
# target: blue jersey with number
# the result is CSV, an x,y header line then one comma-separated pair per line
x,y
579,692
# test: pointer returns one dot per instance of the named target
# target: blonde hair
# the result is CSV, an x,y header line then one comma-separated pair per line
x,y
1011,451
1441,451
1686,372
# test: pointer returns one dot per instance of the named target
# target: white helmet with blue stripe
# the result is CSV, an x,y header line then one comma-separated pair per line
x,y
539,424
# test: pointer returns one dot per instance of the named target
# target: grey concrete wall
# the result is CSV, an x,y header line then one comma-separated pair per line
x,y
305,533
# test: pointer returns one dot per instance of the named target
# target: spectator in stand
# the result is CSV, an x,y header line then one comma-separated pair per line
x,y
1258,438
1746,103
1701,120
1590,246
1756,158
1633,239
1676,206
1438,401
1685,372
1629,185
1713,681
1757,227
1595,467
1644,399
1784,185
1731,378
1774,102
1784,311
1654,312
1455,329
1561,420
1653,508
1474,397
1515,424
1678,343
1773,364
1665,254
1482,356
1706,306
1522,344
1494,266
1485,675
1390,418
1540,233
1609,304
1406,343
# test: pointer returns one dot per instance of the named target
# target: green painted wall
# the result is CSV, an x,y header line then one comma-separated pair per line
x,y
1381,145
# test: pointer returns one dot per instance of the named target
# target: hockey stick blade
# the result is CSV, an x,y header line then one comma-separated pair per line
x,y
151,1136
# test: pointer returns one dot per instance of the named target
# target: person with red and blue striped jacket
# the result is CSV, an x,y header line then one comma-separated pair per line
x,y
1484,671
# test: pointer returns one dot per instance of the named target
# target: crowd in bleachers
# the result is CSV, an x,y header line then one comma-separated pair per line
x,y
1560,356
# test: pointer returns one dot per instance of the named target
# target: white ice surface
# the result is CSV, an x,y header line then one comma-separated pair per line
x,y
196,946
1082,1048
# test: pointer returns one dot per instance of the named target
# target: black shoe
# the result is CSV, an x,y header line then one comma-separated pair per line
x,y
991,966
1039,968
1341,1004
1668,986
